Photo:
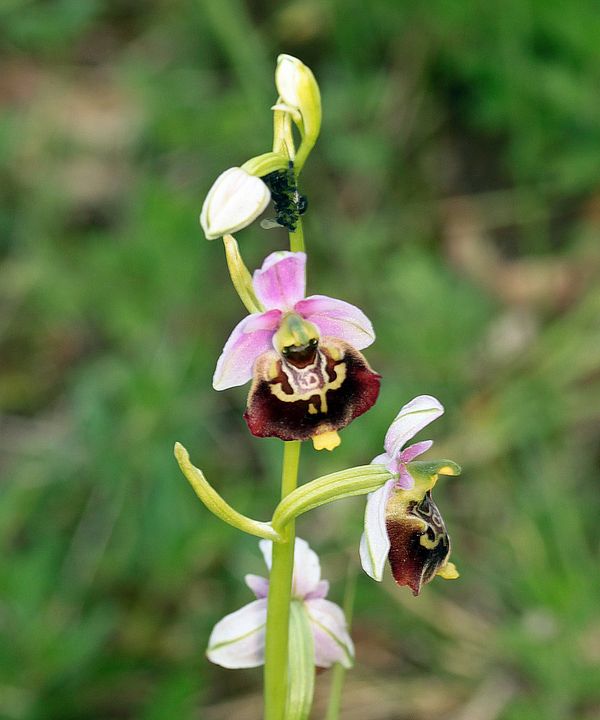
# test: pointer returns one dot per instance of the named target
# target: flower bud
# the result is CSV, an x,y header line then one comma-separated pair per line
x,y
299,94
234,201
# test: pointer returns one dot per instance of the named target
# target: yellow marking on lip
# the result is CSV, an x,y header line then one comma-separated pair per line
x,y
272,370
429,544
340,376
335,352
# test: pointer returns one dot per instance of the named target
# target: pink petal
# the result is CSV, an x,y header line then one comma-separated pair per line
x,y
330,632
338,319
414,416
238,640
375,544
391,464
259,585
250,338
405,479
281,281
320,591
413,451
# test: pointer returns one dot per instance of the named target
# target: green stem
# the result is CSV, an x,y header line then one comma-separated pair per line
x,y
278,603
282,564
297,238
306,146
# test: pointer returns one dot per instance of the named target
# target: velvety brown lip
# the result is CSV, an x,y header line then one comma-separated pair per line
x,y
419,541
281,403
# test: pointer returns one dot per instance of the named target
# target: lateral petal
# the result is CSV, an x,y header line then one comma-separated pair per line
x,y
413,451
250,338
238,640
339,319
405,480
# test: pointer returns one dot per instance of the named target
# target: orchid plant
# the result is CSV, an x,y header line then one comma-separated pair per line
x,y
309,380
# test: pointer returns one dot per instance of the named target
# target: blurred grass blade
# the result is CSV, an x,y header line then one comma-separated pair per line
x,y
338,673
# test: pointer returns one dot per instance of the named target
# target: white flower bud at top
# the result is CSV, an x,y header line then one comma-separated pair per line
x,y
299,92
234,201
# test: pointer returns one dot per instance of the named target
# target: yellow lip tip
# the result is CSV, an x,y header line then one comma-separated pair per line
x,y
327,440
448,572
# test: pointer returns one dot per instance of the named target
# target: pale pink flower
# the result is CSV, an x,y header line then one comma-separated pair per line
x,y
238,640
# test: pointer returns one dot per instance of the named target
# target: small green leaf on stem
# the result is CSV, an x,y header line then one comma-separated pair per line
x,y
268,162
346,483
240,276
215,503
301,671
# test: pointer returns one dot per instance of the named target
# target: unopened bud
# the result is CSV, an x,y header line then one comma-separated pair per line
x,y
299,94
234,201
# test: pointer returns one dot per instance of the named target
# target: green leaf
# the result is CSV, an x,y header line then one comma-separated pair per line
x,y
358,480
301,677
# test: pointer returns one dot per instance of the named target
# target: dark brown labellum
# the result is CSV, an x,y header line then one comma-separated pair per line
x,y
420,544
309,390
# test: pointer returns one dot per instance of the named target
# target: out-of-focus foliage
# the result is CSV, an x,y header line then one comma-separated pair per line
x,y
453,195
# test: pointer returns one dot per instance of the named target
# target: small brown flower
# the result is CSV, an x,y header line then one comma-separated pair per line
x,y
402,522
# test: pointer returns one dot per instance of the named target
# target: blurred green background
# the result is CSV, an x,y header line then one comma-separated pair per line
x,y
454,195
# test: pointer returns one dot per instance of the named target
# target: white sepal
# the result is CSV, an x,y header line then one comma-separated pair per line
x,y
330,632
412,418
238,640
375,543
